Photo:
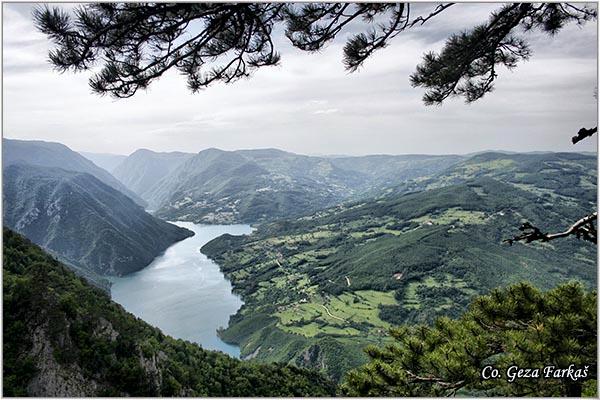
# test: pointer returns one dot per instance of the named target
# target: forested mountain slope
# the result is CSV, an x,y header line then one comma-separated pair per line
x,y
50,154
219,186
388,170
64,338
546,174
143,168
319,288
256,185
83,221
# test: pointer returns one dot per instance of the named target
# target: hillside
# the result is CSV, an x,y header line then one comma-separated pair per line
x,y
319,288
83,221
144,168
216,186
224,187
63,338
56,155
104,160
546,174
387,170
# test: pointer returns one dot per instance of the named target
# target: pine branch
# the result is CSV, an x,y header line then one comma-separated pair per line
x,y
136,43
465,67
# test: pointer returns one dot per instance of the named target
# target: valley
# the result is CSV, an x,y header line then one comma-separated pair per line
x,y
299,199
319,288
87,224
341,250
65,338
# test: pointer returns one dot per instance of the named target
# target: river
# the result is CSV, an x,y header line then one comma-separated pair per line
x,y
182,292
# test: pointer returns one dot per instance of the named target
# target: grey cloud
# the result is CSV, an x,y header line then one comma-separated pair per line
x,y
24,9
310,104
22,68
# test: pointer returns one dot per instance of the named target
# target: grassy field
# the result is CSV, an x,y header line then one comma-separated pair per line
x,y
453,215
339,315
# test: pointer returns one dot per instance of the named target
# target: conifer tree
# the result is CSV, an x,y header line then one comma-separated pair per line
x,y
516,326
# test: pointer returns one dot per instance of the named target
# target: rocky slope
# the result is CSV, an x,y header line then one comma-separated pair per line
x,y
82,220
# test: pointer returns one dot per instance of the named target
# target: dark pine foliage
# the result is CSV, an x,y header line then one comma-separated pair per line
x,y
467,65
136,43
518,325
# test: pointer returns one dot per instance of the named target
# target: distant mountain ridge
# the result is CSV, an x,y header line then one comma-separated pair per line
x,y
142,169
523,169
105,161
52,154
217,186
82,220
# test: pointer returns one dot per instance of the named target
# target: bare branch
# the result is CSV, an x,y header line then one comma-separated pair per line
x,y
582,229
444,384
583,133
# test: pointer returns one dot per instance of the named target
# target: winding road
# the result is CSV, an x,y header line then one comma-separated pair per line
x,y
331,315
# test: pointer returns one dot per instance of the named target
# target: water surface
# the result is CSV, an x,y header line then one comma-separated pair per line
x,y
182,292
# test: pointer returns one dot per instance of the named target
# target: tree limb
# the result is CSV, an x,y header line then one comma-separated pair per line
x,y
583,133
582,229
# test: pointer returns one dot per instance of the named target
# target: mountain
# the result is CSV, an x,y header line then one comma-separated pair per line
x,y
547,174
83,221
216,186
543,170
386,170
143,168
105,161
64,338
50,154
320,288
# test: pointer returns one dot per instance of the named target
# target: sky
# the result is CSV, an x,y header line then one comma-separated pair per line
x,y
310,104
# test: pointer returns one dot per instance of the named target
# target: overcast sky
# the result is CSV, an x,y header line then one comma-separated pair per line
x,y
310,104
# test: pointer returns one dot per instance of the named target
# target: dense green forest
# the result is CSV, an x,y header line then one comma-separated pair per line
x,y
320,288
63,337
